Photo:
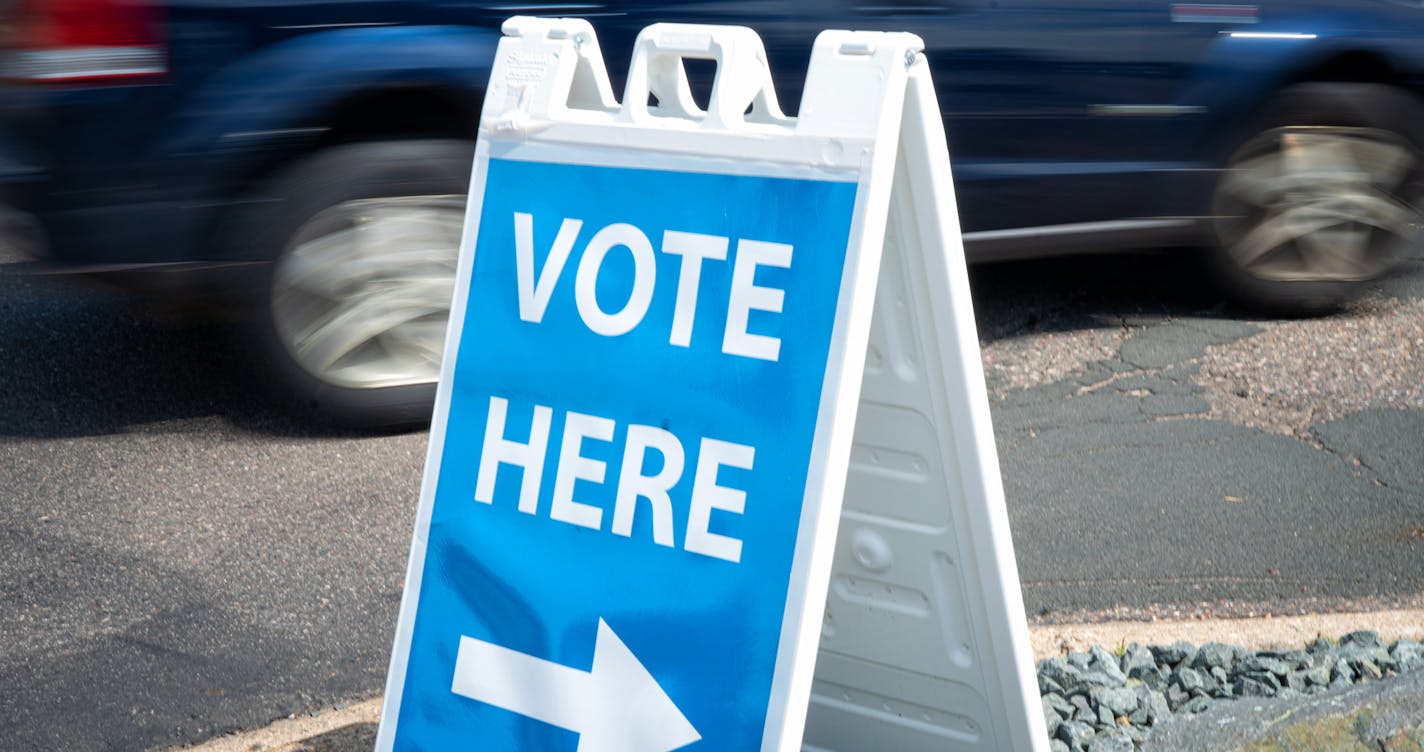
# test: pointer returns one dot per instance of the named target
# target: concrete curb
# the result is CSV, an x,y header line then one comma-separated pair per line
x,y
342,729
1255,633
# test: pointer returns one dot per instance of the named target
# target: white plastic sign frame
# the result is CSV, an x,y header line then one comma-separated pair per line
x,y
638,617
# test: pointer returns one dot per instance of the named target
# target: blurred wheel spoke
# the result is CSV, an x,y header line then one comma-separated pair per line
x,y
1335,251
1275,233
364,303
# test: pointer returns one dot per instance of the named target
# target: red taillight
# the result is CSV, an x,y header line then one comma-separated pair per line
x,y
85,40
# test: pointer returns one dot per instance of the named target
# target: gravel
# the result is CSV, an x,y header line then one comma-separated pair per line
x,y
1297,374
1110,700
1037,358
1282,376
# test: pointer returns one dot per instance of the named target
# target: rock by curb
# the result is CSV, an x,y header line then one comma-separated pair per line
x,y
1103,699
1387,716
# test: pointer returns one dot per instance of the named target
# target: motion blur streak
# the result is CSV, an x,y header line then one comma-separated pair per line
x,y
302,163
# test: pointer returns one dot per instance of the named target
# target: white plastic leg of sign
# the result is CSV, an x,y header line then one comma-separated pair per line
x,y
924,644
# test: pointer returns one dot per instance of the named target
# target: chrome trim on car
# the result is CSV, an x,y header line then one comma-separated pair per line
x,y
1145,110
1079,228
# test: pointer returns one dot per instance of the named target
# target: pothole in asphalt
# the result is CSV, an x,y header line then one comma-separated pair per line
x,y
1039,358
1298,374
1289,377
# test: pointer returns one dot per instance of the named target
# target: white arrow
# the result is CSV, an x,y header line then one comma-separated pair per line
x,y
617,706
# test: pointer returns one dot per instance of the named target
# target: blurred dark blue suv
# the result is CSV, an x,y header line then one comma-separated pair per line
x,y
306,161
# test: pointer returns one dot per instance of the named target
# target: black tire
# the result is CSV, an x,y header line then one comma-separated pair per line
x,y
415,189
1324,156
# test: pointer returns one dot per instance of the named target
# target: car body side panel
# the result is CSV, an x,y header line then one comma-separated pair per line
x,y
1060,113
1023,85
271,101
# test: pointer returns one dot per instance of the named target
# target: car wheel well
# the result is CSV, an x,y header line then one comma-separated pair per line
x,y
386,114
1347,67
378,115
391,114
1355,66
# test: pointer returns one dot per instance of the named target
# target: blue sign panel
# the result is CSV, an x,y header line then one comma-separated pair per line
x,y
625,460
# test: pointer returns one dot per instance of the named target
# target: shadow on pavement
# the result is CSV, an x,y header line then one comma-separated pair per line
x,y
357,736
1090,292
79,361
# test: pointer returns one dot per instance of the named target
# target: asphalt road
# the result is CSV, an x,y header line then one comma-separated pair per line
x,y
1164,455
177,559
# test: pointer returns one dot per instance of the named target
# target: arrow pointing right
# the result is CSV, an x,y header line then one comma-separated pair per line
x,y
617,706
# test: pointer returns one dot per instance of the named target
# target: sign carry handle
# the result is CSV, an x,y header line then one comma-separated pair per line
x,y
742,92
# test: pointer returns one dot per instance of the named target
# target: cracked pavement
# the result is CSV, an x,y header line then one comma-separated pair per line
x,y
1184,461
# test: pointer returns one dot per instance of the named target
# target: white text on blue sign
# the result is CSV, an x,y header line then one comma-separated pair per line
x,y
693,249
535,290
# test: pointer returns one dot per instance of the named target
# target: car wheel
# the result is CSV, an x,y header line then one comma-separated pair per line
x,y
364,239
1324,198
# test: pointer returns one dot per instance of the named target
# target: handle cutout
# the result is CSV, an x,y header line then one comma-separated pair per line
x,y
741,87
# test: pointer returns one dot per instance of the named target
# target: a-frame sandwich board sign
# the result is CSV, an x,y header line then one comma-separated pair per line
x,y
665,323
